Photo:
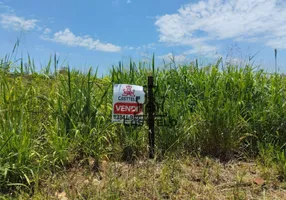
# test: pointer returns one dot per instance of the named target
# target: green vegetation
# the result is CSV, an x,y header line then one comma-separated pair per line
x,y
55,120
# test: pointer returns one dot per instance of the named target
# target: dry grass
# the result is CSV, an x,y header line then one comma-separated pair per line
x,y
190,178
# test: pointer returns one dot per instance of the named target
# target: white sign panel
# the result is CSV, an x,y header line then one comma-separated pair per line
x,y
128,102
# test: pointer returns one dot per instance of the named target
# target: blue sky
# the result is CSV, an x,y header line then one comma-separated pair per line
x,y
101,33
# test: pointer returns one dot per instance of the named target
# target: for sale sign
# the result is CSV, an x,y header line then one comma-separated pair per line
x,y
128,103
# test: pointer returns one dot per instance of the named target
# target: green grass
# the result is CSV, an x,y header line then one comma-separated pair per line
x,y
55,119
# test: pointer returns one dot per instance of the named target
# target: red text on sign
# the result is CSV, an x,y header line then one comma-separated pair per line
x,y
127,108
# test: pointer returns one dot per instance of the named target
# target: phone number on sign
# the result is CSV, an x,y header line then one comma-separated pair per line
x,y
161,120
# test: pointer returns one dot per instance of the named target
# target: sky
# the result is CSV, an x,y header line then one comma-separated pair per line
x,y
100,33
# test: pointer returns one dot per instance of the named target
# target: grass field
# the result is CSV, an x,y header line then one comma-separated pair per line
x,y
57,139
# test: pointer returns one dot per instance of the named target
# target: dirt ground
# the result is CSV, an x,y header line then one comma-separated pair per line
x,y
190,178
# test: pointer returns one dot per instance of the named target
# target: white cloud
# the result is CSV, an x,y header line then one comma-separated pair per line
x,y
47,31
147,46
11,21
279,43
204,49
129,48
244,20
176,58
6,7
235,61
68,38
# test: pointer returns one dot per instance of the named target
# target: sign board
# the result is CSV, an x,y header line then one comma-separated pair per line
x,y
128,103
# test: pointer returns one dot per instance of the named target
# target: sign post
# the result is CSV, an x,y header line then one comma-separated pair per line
x,y
128,101
151,118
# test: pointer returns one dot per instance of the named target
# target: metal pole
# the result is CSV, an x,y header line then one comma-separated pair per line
x,y
275,52
151,117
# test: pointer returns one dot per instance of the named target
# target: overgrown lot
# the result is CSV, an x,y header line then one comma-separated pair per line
x,y
55,120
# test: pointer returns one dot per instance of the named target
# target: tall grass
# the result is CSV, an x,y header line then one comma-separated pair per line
x,y
52,120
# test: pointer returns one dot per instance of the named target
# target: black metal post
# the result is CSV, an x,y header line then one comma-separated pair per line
x,y
151,117
275,52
